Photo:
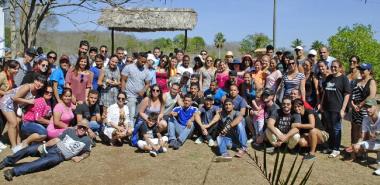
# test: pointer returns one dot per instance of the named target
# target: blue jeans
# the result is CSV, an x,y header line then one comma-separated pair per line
x,y
29,128
333,123
132,104
174,128
224,143
242,134
53,158
95,126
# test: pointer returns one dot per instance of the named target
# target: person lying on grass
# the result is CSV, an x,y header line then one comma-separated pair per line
x,y
73,144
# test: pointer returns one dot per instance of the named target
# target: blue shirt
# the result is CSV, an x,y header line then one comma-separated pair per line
x,y
184,114
239,103
208,114
96,72
218,95
152,76
59,77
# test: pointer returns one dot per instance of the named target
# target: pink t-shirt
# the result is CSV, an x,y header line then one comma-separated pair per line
x,y
66,113
79,83
260,116
222,78
271,80
36,111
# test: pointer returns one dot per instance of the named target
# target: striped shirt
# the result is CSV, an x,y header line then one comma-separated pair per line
x,y
294,83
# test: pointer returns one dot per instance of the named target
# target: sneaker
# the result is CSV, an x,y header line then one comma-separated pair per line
x,y
8,175
162,150
249,141
309,157
2,165
2,146
16,148
223,158
199,140
334,154
177,145
377,172
153,153
240,153
270,149
172,143
211,143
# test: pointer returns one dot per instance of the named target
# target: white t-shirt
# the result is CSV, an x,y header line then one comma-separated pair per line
x,y
181,69
369,126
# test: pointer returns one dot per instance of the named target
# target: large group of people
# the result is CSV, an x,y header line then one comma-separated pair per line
x,y
58,108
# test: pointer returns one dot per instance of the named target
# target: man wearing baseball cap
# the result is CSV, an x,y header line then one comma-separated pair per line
x,y
26,65
73,144
300,56
370,138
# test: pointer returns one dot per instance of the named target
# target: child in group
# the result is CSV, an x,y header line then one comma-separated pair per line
x,y
258,107
149,137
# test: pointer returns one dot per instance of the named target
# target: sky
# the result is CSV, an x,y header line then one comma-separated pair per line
x,y
308,20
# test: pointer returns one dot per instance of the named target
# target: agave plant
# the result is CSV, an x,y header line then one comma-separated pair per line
x,y
274,177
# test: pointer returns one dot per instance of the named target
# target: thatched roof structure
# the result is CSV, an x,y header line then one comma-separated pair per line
x,y
148,19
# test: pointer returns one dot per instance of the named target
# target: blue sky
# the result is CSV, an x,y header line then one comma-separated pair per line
x,y
308,20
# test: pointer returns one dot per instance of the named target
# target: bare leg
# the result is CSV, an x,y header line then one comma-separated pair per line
x,y
12,127
162,126
34,137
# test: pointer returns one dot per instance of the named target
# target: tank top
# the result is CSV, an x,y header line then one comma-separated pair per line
x,y
170,103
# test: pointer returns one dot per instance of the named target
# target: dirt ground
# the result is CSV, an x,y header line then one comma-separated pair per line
x,y
192,164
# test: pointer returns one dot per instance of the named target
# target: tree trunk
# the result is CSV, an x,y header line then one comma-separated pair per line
x,y
219,52
12,13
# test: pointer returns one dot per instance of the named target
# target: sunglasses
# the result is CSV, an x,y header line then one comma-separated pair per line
x,y
204,53
209,60
156,90
81,78
82,127
292,63
49,92
44,65
52,57
120,98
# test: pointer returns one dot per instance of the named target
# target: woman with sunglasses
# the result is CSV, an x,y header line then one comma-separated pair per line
x,y
42,67
15,98
36,119
62,115
207,73
79,79
162,74
293,79
153,103
109,81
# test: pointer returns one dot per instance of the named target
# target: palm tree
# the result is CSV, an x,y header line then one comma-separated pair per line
x,y
317,45
297,42
219,41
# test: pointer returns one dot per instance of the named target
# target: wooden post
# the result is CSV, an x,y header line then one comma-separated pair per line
x,y
112,40
185,43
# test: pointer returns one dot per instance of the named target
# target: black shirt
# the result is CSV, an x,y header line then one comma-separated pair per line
x,y
335,90
284,121
86,111
151,131
305,120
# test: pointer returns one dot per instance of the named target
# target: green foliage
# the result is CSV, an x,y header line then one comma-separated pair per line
x,y
219,41
356,40
165,44
251,42
274,177
179,41
7,37
196,44
317,45
296,42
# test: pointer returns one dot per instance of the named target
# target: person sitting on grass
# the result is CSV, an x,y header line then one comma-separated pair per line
x,y
117,124
227,120
370,138
73,144
203,120
181,123
311,129
279,126
150,137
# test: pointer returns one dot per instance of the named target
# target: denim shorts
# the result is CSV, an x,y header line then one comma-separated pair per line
x,y
29,128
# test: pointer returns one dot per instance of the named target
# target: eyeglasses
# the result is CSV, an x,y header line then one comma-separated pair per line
x,y
81,78
204,54
82,127
121,98
52,57
156,90
49,92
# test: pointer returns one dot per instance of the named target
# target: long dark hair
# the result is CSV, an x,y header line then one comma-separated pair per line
x,y
76,69
160,98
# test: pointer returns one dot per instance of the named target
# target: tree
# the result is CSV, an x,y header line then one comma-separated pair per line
x,y
32,13
296,42
165,44
196,44
219,41
252,42
356,40
179,41
317,45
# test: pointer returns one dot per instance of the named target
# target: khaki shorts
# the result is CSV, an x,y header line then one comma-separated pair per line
x,y
292,142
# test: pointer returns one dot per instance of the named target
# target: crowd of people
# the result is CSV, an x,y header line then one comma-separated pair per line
x,y
59,107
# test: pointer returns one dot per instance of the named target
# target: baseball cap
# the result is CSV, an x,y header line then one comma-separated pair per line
x,y
299,48
233,73
64,58
365,66
268,92
31,52
186,74
209,98
370,102
313,52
